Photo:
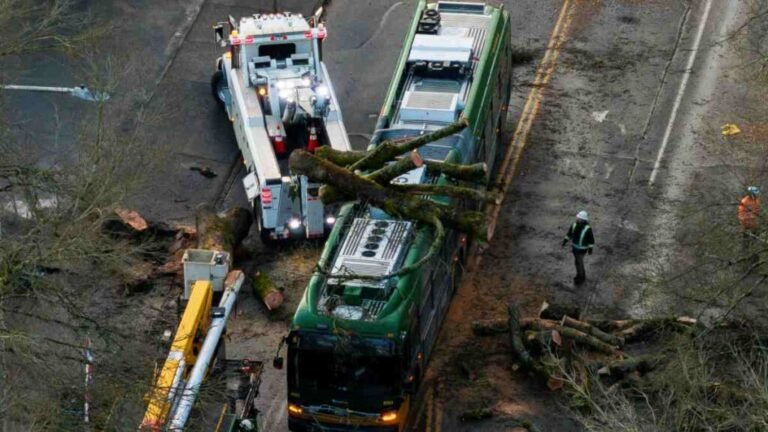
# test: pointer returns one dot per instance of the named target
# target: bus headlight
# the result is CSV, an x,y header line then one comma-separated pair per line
x,y
294,409
330,220
388,416
294,223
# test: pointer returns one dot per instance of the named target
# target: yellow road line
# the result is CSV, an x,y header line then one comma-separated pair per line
x,y
434,408
430,403
531,109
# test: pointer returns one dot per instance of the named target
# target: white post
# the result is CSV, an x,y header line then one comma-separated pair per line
x,y
88,379
189,394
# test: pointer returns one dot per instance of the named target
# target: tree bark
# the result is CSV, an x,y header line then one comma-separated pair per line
x,y
641,364
388,151
387,173
266,290
638,330
475,173
516,337
593,331
222,232
450,191
392,202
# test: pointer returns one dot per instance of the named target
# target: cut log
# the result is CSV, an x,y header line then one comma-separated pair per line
x,y
593,331
516,337
391,171
132,218
557,311
265,289
621,368
540,324
222,232
639,330
577,336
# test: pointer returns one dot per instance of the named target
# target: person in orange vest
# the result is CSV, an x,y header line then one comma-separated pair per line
x,y
749,213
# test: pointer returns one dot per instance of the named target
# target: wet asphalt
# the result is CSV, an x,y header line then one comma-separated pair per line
x,y
594,144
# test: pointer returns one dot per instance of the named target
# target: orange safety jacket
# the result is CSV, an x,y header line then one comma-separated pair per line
x,y
749,211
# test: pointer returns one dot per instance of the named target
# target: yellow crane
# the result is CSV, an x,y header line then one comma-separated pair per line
x,y
183,354
195,343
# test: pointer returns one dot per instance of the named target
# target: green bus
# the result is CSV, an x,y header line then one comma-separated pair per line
x,y
357,347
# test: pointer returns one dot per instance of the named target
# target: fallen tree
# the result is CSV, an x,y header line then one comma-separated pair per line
x,y
546,347
367,176
222,232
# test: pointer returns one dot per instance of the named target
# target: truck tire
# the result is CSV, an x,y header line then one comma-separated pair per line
x,y
219,87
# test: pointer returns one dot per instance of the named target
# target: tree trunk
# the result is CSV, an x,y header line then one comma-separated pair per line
x,y
222,232
266,290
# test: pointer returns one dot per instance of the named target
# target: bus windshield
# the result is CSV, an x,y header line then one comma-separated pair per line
x,y
343,367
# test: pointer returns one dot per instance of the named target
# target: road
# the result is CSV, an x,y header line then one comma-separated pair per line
x,y
607,121
621,129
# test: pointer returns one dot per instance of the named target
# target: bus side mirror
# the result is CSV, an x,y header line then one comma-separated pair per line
x,y
277,362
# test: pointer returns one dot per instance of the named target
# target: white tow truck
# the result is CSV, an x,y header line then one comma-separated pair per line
x,y
277,93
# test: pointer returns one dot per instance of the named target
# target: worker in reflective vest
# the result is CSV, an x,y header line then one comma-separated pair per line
x,y
749,212
582,241
749,209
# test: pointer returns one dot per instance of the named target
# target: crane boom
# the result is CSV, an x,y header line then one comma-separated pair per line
x,y
193,349
195,320
187,399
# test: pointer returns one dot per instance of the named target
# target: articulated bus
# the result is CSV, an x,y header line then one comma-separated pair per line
x,y
357,347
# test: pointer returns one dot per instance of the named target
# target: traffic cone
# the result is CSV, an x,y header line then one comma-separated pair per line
x,y
313,144
279,144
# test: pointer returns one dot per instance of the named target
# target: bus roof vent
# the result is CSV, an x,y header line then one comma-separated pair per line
x,y
372,247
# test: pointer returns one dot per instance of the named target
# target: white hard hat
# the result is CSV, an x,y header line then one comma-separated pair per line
x,y
582,215
754,190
